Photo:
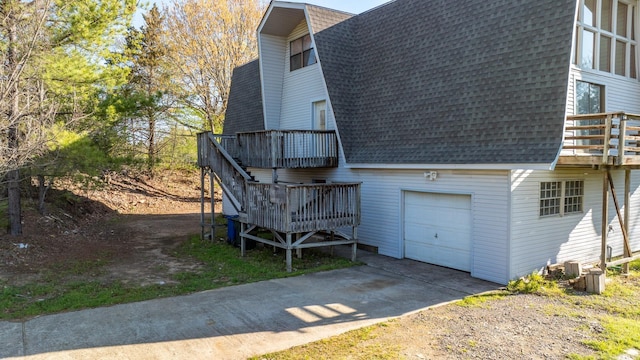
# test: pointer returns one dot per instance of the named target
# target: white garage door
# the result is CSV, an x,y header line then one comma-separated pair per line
x,y
437,229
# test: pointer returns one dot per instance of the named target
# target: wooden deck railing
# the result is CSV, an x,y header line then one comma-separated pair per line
x,y
229,174
307,207
601,139
287,149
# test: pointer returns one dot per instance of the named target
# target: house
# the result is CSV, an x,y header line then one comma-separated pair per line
x,y
462,123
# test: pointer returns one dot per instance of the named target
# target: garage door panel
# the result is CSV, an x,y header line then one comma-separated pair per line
x,y
437,229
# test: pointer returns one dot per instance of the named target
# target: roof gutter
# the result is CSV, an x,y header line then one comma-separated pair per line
x,y
538,166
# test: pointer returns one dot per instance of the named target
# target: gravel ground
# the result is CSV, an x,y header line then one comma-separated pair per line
x,y
511,327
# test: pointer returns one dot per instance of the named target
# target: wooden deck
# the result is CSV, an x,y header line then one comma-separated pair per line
x,y
284,149
303,207
596,140
298,215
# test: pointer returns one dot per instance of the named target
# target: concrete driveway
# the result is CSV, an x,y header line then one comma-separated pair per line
x,y
241,321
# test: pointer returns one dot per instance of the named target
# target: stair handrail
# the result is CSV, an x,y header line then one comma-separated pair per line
x,y
231,177
229,158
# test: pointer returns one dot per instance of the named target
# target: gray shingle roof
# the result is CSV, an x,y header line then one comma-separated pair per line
x,y
244,108
450,82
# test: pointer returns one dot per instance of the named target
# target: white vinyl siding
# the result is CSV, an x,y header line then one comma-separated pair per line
x,y
300,89
272,50
382,209
227,206
620,94
539,241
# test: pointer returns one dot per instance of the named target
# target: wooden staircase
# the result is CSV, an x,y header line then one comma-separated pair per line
x,y
298,215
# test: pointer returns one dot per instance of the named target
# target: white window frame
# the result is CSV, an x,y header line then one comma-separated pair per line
x,y
311,51
569,200
631,43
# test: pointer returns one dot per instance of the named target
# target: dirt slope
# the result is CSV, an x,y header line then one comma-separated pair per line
x,y
130,223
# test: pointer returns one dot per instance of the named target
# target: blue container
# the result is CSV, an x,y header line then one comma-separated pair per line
x,y
233,230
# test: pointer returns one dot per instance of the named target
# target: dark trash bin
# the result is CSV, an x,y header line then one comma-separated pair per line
x,y
233,230
233,233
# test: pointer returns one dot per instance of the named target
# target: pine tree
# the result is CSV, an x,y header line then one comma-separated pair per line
x,y
53,69
149,81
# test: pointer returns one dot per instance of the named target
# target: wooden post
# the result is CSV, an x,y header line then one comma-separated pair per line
x,y
213,206
288,252
625,236
622,140
298,250
605,216
354,247
201,203
243,241
607,139
627,210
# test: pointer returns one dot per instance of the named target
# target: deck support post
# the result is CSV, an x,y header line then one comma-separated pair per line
x,y
627,209
354,246
605,216
202,172
298,250
243,240
288,252
213,206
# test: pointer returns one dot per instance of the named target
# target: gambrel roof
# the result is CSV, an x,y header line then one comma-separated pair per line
x,y
448,82
244,107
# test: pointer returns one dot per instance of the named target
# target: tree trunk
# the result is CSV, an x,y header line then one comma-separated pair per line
x,y
42,193
152,141
13,142
14,210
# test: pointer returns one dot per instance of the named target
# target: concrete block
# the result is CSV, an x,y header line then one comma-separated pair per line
x,y
595,281
572,269
580,284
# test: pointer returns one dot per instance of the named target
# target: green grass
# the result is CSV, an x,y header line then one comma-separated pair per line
x,y
355,344
619,307
617,310
620,335
223,266
481,300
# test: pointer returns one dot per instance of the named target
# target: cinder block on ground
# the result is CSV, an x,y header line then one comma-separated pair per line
x,y
572,268
580,284
595,281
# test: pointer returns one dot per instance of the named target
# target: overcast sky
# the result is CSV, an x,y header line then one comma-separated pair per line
x,y
354,7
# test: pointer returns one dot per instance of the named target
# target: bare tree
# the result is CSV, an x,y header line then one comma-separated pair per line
x,y
206,41
23,111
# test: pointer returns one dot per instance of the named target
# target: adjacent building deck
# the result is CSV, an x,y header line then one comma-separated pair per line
x,y
298,215
606,141
597,140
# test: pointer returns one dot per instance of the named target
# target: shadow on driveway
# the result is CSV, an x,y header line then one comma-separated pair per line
x,y
245,320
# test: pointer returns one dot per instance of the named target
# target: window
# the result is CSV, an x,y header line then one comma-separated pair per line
x,y
589,98
561,197
302,54
605,37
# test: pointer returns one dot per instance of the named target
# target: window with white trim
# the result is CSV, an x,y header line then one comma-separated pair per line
x,y
606,37
561,197
301,53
